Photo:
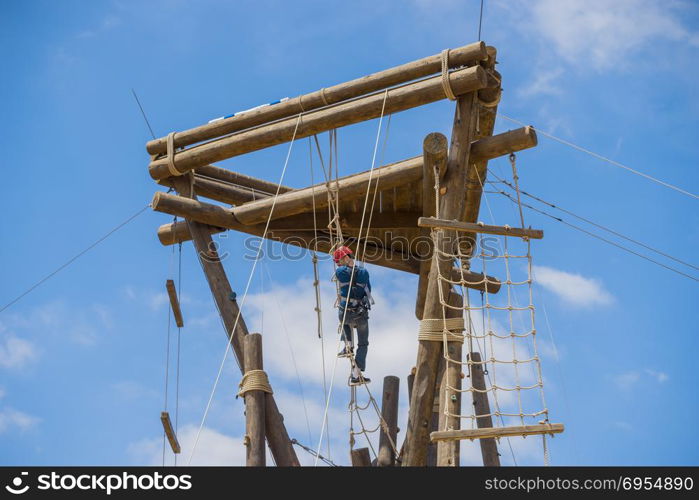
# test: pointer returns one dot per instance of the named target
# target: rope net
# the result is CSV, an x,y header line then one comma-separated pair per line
x,y
499,326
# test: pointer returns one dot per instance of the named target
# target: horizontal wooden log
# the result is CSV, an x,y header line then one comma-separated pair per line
x,y
471,227
351,187
496,432
174,303
375,253
462,81
220,191
177,232
502,144
225,175
421,68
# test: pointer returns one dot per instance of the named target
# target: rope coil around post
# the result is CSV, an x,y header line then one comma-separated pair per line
x,y
435,330
171,155
446,84
254,380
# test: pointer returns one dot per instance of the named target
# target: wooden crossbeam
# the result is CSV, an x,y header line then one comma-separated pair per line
x,y
471,227
174,302
170,432
496,432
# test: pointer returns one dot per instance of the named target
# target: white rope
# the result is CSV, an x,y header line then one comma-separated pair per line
x,y
604,158
446,84
171,155
247,287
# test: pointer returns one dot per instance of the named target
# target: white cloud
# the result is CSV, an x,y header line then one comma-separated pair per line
x,y
660,377
13,419
626,381
80,325
544,83
213,448
574,289
604,33
130,389
15,352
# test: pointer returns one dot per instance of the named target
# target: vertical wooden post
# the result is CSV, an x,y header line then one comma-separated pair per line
x,y
277,436
448,452
481,406
389,413
254,405
434,155
451,206
361,458
437,411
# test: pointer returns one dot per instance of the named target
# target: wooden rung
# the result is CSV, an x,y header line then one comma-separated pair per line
x,y
169,432
471,227
496,432
174,302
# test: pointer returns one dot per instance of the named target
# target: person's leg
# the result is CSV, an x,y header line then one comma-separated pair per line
x,y
346,334
362,325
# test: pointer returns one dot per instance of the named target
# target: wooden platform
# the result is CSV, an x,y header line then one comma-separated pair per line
x,y
496,432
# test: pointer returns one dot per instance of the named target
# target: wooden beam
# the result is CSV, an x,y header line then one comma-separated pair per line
x,y
389,413
503,144
254,405
460,56
451,206
225,175
214,215
350,187
236,329
361,457
170,432
471,227
449,453
174,303
481,406
237,189
462,81
434,159
498,432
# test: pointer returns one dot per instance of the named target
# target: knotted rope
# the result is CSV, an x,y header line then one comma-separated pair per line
x,y
171,155
446,84
436,329
254,380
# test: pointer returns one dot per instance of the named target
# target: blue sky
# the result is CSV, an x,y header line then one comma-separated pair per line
x,y
82,358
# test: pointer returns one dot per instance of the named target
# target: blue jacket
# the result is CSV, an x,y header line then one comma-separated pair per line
x,y
361,286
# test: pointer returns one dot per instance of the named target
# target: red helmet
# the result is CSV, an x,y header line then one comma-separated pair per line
x,y
341,252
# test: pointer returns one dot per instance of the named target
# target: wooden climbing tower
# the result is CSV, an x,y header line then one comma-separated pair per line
x,y
429,197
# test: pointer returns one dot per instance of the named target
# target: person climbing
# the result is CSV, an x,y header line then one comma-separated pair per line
x,y
354,303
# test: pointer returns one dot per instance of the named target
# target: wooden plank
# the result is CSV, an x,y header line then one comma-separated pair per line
x,y
361,457
497,432
170,432
389,413
481,406
174,303
254,405
471,227
409,96
459,56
